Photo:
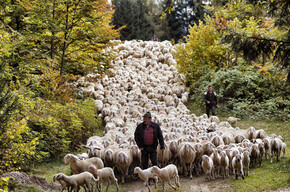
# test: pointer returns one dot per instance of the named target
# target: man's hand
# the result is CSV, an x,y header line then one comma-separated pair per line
x,y
208,102
217,105
141,149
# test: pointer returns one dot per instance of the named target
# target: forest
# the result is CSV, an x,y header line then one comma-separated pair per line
x,y
239,47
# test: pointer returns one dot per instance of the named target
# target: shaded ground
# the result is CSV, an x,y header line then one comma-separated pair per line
x,y
22,181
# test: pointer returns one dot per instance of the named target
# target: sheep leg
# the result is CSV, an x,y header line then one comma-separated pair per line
x,y
146,184
116,182
190,170
177,181
109,182
184,169
171,184
242,174
156,180
100,185
279,155
163,186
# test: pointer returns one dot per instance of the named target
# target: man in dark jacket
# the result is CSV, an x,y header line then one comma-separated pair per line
x,y
210,100
147,135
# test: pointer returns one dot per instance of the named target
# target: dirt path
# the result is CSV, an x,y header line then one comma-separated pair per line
x,y
197,184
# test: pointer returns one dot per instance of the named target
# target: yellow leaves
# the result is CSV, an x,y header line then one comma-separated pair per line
x,y
16,148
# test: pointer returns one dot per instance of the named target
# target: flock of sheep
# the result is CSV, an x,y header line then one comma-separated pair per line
x,y
146,79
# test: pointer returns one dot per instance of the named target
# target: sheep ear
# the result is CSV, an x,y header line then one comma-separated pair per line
x,y
97,148
86,147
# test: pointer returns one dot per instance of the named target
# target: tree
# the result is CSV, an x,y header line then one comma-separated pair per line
x,y
68,36
132,15
184,13
262,43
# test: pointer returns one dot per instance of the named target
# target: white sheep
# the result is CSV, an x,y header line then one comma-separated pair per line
x,y
75,181
215,156
233,121
208,167
276,147
237,165
79,166
164,174
163,155
246,162
62,183
145,175
104,173
224,164
186,154
267,146
123,160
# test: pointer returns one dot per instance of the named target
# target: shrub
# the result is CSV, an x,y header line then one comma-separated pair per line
x,y
244,92
62,128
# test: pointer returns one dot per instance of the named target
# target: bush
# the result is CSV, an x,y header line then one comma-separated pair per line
x,y
62,128
243,92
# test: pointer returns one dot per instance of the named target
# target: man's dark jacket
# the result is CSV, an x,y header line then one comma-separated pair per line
x,y
210,97
157,135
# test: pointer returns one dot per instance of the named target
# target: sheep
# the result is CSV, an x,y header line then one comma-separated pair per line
x,y
104,173
145,175
276,147
123,160
246,162
208,148
62,183
198,157
233,121
215,156
237,165
164,155
284,149
186,154
83,156
208,167
251,133
224,164
79,166
267,146
254,155
261,152
217,141
164,174
173,147
261,134
75,181
109,158
239,138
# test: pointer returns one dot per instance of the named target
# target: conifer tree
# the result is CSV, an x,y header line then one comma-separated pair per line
x,y
132,14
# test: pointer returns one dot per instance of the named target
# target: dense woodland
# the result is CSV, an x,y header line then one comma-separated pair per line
x,y
239,47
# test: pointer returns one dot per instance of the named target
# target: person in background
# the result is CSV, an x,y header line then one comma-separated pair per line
x,y
210,100
154,38
147,135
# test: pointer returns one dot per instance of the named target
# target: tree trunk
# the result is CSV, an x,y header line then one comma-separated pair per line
x,y
65,40
52,32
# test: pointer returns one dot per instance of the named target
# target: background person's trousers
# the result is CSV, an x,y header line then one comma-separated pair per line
x,y
148,153
210,108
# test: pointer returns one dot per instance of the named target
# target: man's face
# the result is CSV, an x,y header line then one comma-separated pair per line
x,y
146,120
210,89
